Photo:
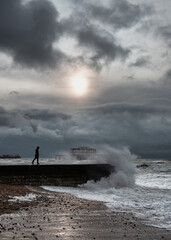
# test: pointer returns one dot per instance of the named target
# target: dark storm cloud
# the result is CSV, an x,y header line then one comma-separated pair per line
x,y
27,32
98,45
119,14
140,62
167,77
17,118
45,115
165,83
165,33
104,47
4,120
14,93
10,118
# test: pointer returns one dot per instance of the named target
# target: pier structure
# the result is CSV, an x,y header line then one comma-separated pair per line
x,y
82,153
9,156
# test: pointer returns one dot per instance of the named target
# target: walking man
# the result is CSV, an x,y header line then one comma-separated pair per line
x,y
36,155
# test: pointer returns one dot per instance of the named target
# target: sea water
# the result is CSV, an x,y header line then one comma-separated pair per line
x,y
144,191
149,199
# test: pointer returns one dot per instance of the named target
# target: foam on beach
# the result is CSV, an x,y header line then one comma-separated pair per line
x,y
146,193
27,198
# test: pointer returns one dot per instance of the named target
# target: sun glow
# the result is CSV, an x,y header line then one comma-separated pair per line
x,y
79,85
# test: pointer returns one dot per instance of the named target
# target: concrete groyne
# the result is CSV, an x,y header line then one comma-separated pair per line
x,y
56,175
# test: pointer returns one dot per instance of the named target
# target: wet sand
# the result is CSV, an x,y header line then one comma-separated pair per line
x,y
63,216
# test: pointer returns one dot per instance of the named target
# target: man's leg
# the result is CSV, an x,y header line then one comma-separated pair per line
x,y
37,160
33,160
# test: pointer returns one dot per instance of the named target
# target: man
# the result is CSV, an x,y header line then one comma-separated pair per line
x,y
36,155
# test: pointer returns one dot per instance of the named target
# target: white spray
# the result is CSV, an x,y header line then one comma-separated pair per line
x,y
123,162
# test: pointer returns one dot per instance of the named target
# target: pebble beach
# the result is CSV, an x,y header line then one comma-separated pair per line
x,y
51,215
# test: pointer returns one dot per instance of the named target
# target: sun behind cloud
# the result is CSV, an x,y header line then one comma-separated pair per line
x,y
79,85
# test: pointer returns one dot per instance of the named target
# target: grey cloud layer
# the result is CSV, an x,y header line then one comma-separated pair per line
x,y
134,113
15,118
28,31
137,122
114,124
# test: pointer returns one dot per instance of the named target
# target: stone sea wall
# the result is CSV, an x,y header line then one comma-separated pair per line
x,y
53,175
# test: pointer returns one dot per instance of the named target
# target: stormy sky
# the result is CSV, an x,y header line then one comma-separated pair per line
x,y
85,73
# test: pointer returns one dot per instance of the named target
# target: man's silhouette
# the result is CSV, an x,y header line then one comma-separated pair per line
x,y
36,155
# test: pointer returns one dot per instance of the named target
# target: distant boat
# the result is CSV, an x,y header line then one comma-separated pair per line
x,y
10,156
